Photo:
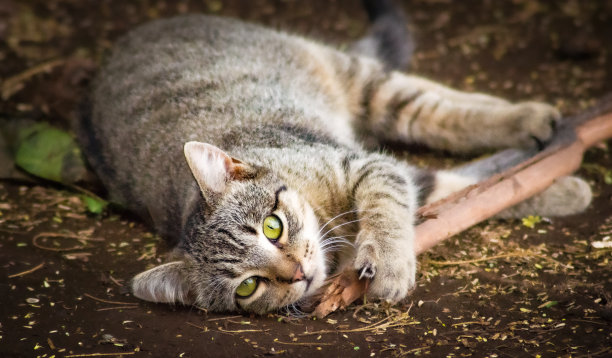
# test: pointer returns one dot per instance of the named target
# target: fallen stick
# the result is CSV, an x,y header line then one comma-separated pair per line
x,y
459,211
27,272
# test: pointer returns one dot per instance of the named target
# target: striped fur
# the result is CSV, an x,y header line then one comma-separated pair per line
x,y
280,117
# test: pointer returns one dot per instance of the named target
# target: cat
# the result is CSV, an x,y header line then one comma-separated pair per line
x,y
248,149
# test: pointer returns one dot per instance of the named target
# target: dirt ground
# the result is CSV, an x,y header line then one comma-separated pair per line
x,y
501,289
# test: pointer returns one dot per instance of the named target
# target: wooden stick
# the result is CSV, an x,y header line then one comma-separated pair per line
x,y
479,202
476,203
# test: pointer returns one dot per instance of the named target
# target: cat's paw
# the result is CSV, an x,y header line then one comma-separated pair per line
x,y
392,271
532,123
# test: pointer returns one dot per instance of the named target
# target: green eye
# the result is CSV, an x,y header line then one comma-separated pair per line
x,y
272,227
247,287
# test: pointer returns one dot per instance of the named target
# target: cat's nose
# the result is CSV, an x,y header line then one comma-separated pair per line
x,y
298,275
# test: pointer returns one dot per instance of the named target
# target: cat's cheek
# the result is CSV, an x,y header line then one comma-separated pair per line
x,y
316,285
319,273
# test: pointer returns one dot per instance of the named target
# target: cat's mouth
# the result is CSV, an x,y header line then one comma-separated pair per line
x,y
309,281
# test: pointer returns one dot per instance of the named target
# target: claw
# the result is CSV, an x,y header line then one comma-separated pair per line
x,y
539,143
366,272
361,273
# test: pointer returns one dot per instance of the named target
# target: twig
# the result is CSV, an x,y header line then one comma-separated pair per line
x,y
472,322
14,84
204,328
65,236
100,354
242,330
392,321
26,272
110,302
595,354
9,231
304,343
489,258
590,322
414,350
222,318
117,308
115,281
520,253
241,323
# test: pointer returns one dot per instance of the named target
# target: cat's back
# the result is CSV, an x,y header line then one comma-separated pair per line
x,y
193,46
219,71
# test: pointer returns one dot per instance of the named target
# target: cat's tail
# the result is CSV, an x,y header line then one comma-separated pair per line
x,y
566,196
388,39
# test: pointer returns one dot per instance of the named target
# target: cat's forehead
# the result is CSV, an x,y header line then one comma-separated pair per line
x,y
247,199
257,196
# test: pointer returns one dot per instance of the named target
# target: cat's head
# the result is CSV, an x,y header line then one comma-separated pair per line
x,y
255,247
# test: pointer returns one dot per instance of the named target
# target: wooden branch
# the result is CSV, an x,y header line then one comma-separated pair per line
x,y
461,210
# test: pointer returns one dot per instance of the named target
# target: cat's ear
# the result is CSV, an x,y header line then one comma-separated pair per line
x,y
213,168
166,283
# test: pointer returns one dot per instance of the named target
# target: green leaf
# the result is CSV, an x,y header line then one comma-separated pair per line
x,y
608,177
95,205
548,304
599,170
49,153
531,221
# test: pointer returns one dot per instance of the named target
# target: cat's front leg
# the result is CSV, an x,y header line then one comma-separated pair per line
x,y
385,198
387,258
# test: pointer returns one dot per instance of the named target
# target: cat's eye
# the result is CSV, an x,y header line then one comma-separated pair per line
x,y
247,287
272,227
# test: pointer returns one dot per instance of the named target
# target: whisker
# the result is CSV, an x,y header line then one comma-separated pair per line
x,y
337,238
335,217
338,241
352,221
331,249
292,311
337,244
341,225
297,312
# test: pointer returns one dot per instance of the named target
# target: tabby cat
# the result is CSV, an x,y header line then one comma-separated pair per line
x,y
280,186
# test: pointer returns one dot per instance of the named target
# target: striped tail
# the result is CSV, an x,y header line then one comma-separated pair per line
x,y
388,39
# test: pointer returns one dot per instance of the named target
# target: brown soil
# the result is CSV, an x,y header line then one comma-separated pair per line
x,y
500,289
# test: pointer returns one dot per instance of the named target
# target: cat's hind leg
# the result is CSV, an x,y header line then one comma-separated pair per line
x,y
565,196
411,109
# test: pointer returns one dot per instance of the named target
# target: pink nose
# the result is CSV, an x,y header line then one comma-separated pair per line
x,y
298,275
